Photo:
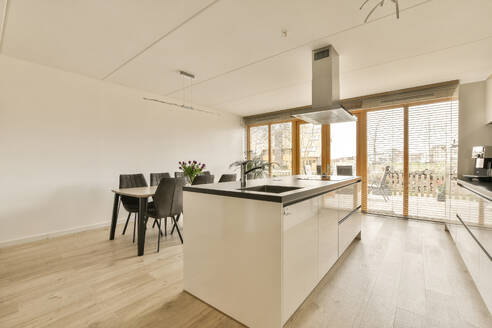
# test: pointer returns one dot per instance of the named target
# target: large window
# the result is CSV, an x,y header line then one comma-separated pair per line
x,y
406,155
258,142
273,144
281,148
310,148
343,146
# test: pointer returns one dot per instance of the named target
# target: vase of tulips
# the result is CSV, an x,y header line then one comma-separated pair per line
x,y
191,169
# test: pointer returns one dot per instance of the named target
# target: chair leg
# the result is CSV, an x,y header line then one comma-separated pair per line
x,y
165,226
159,224
134,227
158,235
177,219
126,223
177,228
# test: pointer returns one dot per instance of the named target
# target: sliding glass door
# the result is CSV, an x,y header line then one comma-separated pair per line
x,y
385,161
433,135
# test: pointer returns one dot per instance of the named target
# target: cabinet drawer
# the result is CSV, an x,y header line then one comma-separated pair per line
x,y
346,200
348,229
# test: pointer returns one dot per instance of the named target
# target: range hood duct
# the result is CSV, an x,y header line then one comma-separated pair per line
x,y
326,106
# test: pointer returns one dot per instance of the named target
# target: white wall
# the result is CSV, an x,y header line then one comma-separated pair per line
x,y
488,102
473,130
64,139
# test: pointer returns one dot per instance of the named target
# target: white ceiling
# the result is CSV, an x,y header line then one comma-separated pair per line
x,y
242,63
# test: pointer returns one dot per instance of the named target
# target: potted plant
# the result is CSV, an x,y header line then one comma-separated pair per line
x,y
191,169
441,191
255,162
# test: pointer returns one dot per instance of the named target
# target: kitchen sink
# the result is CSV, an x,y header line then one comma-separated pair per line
x,y
271,189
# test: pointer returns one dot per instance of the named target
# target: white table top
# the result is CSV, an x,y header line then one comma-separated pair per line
x,y
140,192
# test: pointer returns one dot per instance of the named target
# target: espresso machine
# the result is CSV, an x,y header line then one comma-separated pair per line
x,y
483,163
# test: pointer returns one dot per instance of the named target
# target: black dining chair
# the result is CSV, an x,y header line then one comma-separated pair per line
x,y
205,173
155,178
227,178
131,203
168,203
179,174
203,179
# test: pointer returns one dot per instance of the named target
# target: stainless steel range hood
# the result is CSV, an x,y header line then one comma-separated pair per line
x,y
326,106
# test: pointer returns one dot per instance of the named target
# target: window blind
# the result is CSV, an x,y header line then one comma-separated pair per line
x,y
385,161
433,152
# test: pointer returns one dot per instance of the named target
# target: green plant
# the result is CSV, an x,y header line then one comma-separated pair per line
x,y
441,186
254,162
191,169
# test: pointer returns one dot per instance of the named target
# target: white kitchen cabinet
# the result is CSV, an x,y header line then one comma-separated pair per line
x,y
485,280
470,252
311,241
300,253
327,232
348,229
454,207
474,212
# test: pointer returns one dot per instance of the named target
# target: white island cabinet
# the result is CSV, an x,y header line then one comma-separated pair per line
x,y
256,257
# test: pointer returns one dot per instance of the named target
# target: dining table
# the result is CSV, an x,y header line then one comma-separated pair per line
x,y
143,194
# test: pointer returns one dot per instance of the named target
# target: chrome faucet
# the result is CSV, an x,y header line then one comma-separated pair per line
x,y
245,172
243,164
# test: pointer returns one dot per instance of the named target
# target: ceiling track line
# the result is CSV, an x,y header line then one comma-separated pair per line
x,y
183,106
235,100
126,62
2,26
300,46
419,54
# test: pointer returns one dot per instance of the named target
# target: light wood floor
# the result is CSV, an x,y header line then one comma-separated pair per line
x,y
401,274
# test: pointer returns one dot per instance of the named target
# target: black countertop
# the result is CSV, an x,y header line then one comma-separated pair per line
x,y
483,189
310,186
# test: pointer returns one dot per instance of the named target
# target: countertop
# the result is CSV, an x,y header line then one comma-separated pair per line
x,y
309,188
483,189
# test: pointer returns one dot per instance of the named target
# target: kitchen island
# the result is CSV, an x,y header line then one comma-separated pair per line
x,y
257,253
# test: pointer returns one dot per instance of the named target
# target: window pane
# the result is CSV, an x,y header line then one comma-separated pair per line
x,y
343,148
385,161
258,144
310,148
281,139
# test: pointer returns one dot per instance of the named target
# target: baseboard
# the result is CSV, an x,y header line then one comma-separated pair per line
x,y
58,233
